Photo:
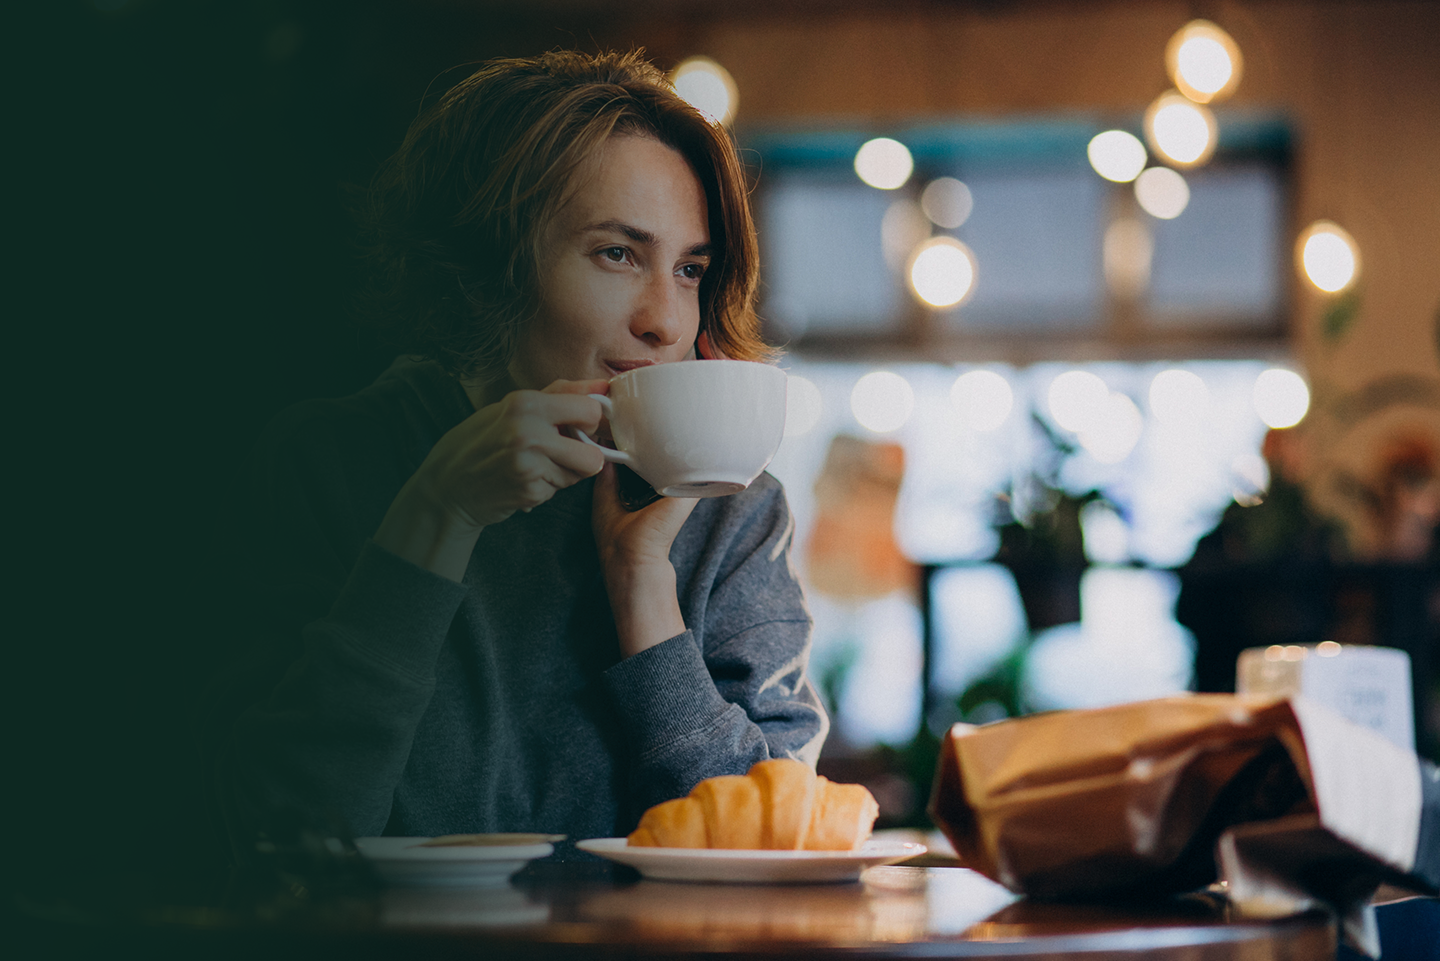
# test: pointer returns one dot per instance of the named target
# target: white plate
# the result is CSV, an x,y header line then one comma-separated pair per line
x,y
405,861
751,867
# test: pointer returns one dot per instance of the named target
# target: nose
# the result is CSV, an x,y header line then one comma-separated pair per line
x,y
660,314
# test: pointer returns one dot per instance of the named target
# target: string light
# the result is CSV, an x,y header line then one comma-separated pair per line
x,y
884,163
1203,61
1162,193
1117,155
1328,256
942,272
1180,130
708,87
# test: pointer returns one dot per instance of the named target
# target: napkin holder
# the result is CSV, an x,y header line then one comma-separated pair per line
x,y
1367,685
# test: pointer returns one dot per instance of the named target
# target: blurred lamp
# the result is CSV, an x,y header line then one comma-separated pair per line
x,y
942,272
884,163
1162,193
903,228
1129,248
882,401
984,399
708,87
947,202
1328,256
803,406
1178,397
1113,429
1117,155
1203,61
1181,131
1075,398
1281,397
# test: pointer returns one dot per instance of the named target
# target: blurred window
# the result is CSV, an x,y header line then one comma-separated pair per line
x,y
1037,226
1223,257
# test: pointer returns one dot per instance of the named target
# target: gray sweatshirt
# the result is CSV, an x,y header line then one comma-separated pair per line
x,y
374,696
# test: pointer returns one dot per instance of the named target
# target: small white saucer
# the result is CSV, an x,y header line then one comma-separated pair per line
x,y
408,861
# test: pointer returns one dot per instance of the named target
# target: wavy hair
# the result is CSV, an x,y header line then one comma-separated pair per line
x,y
454,220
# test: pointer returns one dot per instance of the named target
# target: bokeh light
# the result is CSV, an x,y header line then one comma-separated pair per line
x,y
1075,398
983,398
903,228
884,163
1281,397
942,272
1250,479
1329,257
882,401
1105,534
1117,155
1179,397
947,202
1180,130
1129,248
1162,193
1113,429
1203,61
803,406
708,87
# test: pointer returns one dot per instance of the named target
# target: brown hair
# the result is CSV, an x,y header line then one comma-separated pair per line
x,y
454,219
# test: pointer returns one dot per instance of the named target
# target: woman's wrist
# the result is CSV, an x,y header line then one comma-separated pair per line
x,y
418,529
646,608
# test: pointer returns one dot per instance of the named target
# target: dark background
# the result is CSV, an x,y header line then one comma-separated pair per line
x,y
186,268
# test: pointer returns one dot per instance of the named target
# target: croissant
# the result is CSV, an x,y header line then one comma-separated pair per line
x,y
779,805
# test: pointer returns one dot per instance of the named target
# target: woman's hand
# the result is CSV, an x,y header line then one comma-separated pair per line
x,y
635,560
507,456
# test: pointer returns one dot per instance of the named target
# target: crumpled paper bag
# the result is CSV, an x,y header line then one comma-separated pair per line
x,y
1289,803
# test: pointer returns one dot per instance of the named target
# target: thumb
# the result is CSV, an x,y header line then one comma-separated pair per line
x,y
670,513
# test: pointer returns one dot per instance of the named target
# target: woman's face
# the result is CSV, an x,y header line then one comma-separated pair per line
x,y
620,269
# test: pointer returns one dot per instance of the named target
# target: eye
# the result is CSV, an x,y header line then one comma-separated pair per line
x,y
615,255
692,271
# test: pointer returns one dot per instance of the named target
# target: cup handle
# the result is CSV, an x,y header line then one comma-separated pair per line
x,y
611,454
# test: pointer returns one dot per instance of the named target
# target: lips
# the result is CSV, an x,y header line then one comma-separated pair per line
x,y
621,366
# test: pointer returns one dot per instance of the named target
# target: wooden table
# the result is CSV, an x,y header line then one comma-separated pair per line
x,y
572,912
577,911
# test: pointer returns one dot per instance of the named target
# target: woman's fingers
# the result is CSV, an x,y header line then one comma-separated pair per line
x,y
516,453
578,387
568,409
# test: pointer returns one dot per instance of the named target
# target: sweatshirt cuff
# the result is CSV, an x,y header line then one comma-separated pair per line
x,y
396,611
665,692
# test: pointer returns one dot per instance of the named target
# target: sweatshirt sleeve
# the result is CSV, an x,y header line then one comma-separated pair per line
x,y
337,652
734,688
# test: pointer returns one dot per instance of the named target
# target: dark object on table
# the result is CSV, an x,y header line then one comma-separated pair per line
x,y
1409,931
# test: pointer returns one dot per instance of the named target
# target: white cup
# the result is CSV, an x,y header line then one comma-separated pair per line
x,y
696,428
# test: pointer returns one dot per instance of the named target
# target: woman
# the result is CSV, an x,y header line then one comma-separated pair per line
x,y
460,628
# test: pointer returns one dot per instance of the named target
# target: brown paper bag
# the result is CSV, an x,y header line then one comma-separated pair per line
x,y
1133,799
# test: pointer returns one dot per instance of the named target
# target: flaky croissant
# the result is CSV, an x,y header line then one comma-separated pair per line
x,y
780,805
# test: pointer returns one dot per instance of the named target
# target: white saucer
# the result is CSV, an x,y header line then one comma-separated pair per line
x,y
406,861
751,867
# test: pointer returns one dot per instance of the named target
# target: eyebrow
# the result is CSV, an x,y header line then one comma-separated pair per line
x,y
642,236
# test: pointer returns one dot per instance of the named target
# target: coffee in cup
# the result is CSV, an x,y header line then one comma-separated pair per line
x,y
696,428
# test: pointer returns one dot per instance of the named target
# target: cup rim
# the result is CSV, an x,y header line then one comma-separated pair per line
x,y
698,360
